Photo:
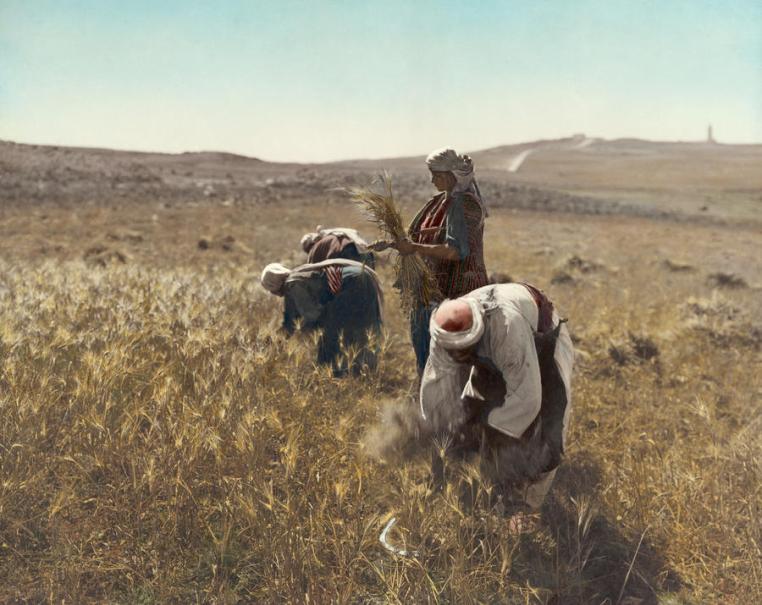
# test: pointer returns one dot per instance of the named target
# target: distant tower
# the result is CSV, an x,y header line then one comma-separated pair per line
x,y
709,135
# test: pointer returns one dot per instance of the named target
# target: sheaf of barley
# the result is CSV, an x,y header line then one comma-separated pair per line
x,y
413,276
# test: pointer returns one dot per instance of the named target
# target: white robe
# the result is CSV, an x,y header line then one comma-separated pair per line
x,y
510,320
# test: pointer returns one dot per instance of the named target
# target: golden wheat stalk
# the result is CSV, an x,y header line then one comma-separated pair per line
x,y
413,276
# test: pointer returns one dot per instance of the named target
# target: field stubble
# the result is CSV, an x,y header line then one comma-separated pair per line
x,y
162,442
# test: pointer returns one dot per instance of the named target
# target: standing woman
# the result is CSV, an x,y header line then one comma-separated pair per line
x,y
448,232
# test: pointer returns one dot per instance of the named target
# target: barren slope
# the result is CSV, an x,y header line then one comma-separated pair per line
x,y
679,180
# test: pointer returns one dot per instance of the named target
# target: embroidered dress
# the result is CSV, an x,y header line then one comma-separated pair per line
x,y
458,221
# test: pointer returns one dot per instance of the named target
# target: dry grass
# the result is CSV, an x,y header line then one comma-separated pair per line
x,y
161,443
413,277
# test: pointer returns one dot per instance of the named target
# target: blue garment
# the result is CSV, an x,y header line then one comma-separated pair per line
x,y
456,230
351,253
347,320
419,334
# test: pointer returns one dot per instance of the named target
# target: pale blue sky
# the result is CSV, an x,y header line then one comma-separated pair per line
x,y
325,80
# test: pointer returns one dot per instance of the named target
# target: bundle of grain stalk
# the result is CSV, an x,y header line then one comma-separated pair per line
x,y
413,277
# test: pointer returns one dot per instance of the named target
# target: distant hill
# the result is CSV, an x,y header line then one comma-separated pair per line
x,y
580,163
32,173
568,174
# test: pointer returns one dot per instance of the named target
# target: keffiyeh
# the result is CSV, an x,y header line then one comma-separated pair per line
x,y
274,276
464,339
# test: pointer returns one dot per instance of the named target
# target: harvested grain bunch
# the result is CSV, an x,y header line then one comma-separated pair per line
x,y
413,276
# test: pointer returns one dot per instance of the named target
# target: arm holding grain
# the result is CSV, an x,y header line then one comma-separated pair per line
x,y
455,246
441,251
405,247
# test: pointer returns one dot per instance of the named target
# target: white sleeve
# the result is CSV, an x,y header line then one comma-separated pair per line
x,y
441,405
512,350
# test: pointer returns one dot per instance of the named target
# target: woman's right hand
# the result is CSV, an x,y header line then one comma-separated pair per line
x,y
380,245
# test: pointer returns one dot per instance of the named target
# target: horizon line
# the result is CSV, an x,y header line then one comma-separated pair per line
x,y
370,159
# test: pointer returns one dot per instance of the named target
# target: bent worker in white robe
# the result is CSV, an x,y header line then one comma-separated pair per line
x,y
498,379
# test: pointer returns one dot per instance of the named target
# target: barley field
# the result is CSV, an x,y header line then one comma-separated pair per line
x,y
161,442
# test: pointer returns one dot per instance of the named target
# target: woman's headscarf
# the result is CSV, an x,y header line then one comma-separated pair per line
x,y
462,168
448,160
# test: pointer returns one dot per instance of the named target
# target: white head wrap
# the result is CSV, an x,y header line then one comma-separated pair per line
x,y
448,160
308,240
274,276
464,339
362,245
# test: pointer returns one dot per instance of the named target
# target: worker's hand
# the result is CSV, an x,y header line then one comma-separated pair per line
x,y
404,247
523,523
380,245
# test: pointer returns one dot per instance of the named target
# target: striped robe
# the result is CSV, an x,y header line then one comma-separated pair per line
x,y
434,225
458,221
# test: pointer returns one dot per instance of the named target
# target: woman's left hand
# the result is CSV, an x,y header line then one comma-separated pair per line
x,y
404,247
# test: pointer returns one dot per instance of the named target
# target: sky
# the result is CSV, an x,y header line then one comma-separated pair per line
x,y
325,80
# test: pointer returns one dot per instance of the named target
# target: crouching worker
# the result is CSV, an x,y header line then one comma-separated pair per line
x,y
340,298
336,242
498,381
